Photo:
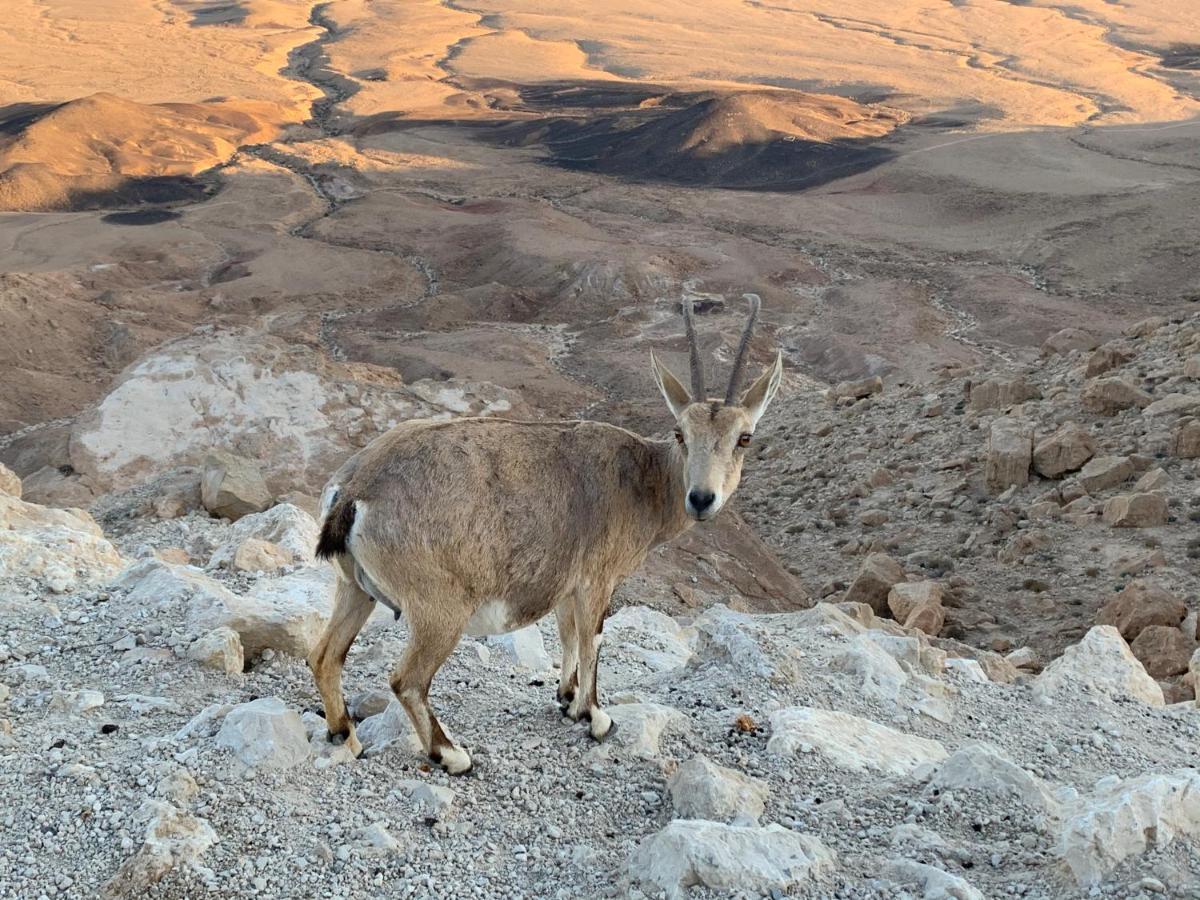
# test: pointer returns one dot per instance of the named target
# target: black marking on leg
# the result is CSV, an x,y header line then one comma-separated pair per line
x,y
612,729
337,738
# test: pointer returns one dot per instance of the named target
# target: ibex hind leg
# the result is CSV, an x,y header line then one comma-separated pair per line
x,y
589,620
567,679
351,609
431,640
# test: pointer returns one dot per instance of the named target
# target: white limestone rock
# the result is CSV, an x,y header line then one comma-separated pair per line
x,y
875,671
286,526
727,858
1101,663
63,547
982,768
932,882
524,648
1123,818
265,734
172,839
649,636
638,729
701,789
219,649
850,742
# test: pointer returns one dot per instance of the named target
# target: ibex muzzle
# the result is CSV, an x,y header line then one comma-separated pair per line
x,y
486,525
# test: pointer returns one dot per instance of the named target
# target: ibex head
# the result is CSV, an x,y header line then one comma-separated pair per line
x,y
714,434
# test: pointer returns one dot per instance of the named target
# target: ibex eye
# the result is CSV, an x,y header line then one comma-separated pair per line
x,y
679,435
744,440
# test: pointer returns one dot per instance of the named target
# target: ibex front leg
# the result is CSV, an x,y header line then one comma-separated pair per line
x,y
590,609
433,636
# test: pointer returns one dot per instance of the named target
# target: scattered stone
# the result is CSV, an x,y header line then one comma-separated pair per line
x,y
1064,451
1105,472
1185,442
523,647
257,555
1142,603
1009,454
701,789
1136,511
855,390
906,596
1067,339
380,841
638,729
265,734
1102,664
172,839
1154,480
727,858
1105,359
1164,651
983,768
1109,396
850,742
219,649
874,581
928,618
934,883
232,487
431,797
1126,818
76,702
287,527
285,614
1000,393
1173,405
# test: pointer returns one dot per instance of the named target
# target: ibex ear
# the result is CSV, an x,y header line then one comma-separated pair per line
x,y
673,391
756,399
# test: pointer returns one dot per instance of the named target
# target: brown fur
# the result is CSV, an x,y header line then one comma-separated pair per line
x,y
442,519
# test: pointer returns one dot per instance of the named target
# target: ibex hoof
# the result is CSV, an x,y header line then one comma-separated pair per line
x,y
602,725
346,736
455,760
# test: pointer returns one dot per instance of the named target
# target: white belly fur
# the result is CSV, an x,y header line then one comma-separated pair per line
x,y
491,618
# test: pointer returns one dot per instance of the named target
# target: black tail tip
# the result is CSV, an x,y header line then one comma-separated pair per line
x,y
335,530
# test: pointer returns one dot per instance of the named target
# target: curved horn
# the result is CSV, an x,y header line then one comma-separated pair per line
x,y
698,392
739,361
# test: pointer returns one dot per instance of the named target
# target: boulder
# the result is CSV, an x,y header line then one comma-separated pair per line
x,y
9,482
379,841
523,647
727,858
1141,604
874,581
701,789
1124,818
1163,651
64,548
638,729
49,486
850,742
1105,472
932,882
647,635
1064,451
984,769
288,527
219,649
1062,342
1173,405
379,731
1009,454
877,672
1101,664
1000,393
1147,326
1108,396
172,839
1136,510
285,614
908,595
232,487
262,397
1154,480
1185,442
265,734
927,618
257,555
855,390
1105,359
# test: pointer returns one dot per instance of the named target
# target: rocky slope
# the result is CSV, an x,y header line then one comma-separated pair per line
x,y
970,707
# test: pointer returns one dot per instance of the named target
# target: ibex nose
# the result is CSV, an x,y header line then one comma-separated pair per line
x,y
700,501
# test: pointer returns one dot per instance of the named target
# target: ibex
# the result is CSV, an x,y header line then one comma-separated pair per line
x,y
484,525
